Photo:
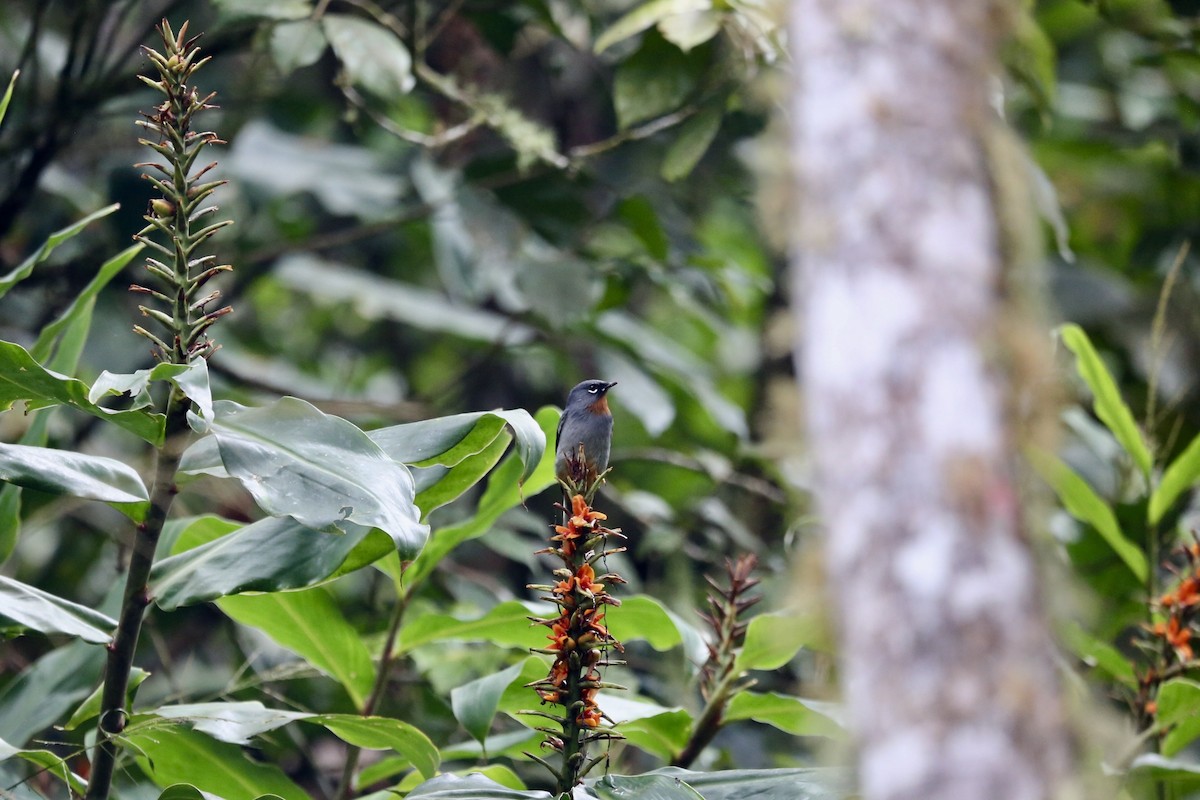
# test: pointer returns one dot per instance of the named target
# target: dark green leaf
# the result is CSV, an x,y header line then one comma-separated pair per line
x,y
760,784
319,469
506,624
691,143
1110,407
449,483
58,237
270,555
1181,475
655,80
1082,502
640,216
309,623
74,474
174,754
475,703
181,791
1099,654
48,689
32,608
22,378
644,787
384,733
373,57
81,305
1179,714
471,787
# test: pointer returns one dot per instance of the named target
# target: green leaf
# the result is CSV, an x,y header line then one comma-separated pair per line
x,y
384,733
297,44
1099,654
48,762
24,269
449,483
191,379
639,214
319,469
644,16
12,82
691,143
1110,407
90,707
309,623
658,730
46,690
235,722
1181,475
450,440
475,703
1082,502
502,493
471,787
174,754
772,640
270,555
74,474
655,80
761,784
265,9
22,378
374,58
690,30
795,715
1178,714
181,791
1151,770
506,624
644,787
33,608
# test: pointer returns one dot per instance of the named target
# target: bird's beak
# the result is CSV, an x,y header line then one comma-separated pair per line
x,y
610,385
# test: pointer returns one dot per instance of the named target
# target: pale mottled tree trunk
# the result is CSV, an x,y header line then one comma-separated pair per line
x,y
947,665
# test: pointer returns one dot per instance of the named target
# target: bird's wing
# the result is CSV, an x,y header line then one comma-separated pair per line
x,y
558,433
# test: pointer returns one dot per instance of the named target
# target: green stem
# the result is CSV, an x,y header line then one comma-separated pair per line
x,y
113,715
386,660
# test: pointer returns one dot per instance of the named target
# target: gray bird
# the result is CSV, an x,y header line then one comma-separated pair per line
x,y
586,422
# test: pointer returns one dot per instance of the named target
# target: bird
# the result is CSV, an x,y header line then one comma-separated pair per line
x,y
585,428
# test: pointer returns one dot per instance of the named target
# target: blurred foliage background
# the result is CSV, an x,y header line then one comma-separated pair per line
x,y
470,204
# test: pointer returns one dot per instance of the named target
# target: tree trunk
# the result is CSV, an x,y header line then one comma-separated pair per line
x,y
947,665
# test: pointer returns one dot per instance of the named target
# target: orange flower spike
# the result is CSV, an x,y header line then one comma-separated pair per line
x,y
1189,592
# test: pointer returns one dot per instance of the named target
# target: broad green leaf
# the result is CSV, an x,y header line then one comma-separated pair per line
x,y
33,608
644,787
318,469
1110,407
309,623
26,267
4,101
74,474
449,440
235,722
760,784
643,617
639,214
475,703
48,762
374,58
181,791
1151,770
271,555
1178,714
506,624
646,15
1182,474
1082,502
511,743
772,640
47,690
173,754
691,29
655,80
22,378
656,729
795,715
691,143
449,483
297,44
471,787
502,493
90,707
1099,654
384,733
192,380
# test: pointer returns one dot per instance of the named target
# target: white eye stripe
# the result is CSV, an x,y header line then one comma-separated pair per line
x,y
593,390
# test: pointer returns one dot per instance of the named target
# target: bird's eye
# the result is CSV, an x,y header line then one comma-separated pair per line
x,y
593,389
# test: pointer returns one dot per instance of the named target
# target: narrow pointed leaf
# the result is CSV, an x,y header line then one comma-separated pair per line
x,y
81,305
795,715
41,611
319,469
1182,475
74,474
25,268
90,708
384,733
1110,407
4,101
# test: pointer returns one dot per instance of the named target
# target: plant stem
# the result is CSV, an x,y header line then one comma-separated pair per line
x,y
386,660
113,715
707,725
